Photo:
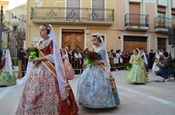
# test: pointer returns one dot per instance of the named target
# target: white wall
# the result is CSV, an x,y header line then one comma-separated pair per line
x,y
163,2
135,0
14,3
150,1
173,3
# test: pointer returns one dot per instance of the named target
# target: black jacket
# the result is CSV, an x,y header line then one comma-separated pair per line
x,y
166,64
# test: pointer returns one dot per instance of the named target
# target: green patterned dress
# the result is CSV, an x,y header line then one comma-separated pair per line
x,y
136,74
6,79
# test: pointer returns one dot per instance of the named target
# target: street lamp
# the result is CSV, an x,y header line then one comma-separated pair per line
x,y
18,32
1,27
14,23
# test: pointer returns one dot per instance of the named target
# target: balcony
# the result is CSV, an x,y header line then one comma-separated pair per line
x,y
162,24
139,22
72,15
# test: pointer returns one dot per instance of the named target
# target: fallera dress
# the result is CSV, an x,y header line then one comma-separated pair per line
x,y
68,67
94,90
136,74
6,78
41,94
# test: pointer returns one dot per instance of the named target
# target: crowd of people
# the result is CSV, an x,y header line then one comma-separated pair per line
x,y
160,62
48,69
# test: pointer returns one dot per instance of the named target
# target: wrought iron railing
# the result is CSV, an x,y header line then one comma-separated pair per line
x,y
63,14
163,22
139,20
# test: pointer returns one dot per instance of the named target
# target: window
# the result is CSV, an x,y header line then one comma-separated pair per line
x,y
161,17
73,9
173,16
161,43
161,10
98,10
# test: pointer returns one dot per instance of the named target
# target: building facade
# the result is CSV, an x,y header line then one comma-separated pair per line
x,y
74,21
145,23
124,24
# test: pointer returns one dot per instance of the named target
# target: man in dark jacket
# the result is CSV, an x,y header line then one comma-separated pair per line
x,y
165,66
22,56
172,54
151,57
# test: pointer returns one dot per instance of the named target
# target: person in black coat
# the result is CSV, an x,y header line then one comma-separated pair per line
x,y
151,57
22,56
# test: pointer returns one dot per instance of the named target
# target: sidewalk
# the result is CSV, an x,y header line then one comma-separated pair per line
x,y
153,98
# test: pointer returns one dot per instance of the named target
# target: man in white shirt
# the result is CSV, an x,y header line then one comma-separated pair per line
x,y
142,53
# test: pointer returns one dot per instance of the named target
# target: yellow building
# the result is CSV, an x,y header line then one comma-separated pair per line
x,y
5,4
74,21
124,24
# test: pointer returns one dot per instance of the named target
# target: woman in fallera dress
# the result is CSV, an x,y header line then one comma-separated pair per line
x,y
46,92
94,89
136,74
68,67
7,77
156,60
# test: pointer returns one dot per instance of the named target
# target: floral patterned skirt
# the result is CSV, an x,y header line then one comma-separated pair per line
x,y
41,96
94,90
6,79
136,74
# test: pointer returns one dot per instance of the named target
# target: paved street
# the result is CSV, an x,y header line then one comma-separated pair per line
x,y
153,98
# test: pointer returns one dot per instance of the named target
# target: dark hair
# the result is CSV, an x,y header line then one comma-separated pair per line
x,y
165,54
97,36
47,28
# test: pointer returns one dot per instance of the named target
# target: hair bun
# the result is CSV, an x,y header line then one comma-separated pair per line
x,y
48,27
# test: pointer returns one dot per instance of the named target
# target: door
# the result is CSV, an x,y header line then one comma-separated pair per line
x,y
73,38
134,14
132,42
161,43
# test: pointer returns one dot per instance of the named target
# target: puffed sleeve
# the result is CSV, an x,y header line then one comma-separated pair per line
x,y
131,59
102,55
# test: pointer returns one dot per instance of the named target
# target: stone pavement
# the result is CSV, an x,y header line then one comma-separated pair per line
x,y
153,98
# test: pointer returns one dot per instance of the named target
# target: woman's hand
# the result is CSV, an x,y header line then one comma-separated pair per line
x,y
36,60
30,58
97,62
84,66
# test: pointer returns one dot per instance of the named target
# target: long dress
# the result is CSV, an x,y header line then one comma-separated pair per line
x,y
68,67
94,90
41,95
7,77
136,74
155,68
